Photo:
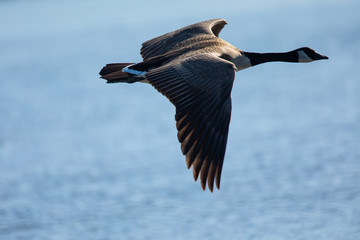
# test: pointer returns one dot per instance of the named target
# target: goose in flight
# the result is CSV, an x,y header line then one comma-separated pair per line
x,y
195,70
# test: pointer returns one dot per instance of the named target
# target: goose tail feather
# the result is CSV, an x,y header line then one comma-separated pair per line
x,y
113,73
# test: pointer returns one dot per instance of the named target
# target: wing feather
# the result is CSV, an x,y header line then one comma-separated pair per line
x,y
162,44
199,86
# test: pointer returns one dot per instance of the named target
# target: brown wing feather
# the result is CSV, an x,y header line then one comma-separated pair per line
x,y
164,43
199,87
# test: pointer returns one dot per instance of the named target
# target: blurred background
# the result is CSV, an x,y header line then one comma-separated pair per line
x,y
81,159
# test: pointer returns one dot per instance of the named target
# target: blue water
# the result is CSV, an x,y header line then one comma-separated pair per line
x,y
80,159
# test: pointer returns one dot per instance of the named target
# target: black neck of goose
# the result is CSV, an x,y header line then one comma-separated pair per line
x,y
258,58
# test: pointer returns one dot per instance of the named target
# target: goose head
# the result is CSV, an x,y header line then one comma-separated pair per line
x,y
306,54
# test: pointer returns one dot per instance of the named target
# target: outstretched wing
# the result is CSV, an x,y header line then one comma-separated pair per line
x,y
162,44
199,86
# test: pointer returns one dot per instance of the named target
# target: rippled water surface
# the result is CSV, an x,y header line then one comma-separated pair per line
x,y
80,159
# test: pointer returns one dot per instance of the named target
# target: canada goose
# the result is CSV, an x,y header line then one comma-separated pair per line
x,y
195,70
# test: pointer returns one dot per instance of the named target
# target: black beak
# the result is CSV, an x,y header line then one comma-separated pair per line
x,y
319,56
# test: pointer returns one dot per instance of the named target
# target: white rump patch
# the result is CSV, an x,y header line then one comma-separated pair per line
x,y
134,72
303,57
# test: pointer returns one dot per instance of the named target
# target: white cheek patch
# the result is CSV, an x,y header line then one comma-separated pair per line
x,y
303,57
134,72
